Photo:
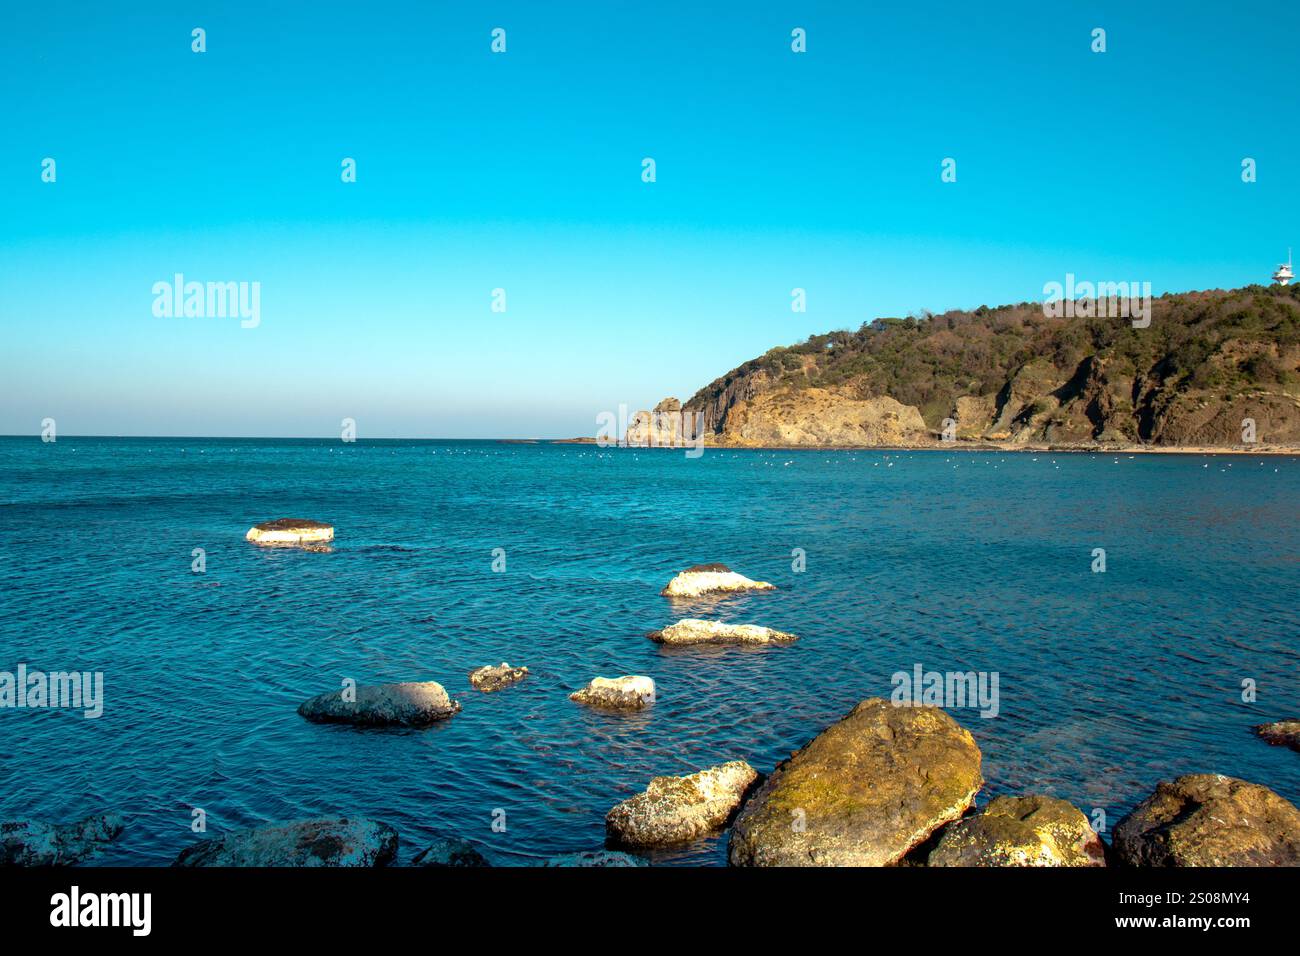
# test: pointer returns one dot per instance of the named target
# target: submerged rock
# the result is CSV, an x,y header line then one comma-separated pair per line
x,y
703,579
694,631
1021,831
408,704
1284,733
290,532
863,792
594,858
617,693
448,850
494,677
325,842
676,809
33,843
1207,819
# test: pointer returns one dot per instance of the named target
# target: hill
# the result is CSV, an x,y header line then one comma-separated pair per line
x,y
1013,375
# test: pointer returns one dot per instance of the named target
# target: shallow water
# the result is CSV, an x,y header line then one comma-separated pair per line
x,y
1108,682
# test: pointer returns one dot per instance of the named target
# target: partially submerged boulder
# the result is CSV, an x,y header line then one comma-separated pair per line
x,y
863,792
594,858
1020,831
1285,733
448,850
302,843
1207,819
495,676
617,693
701,579
694,631
34,843
290,533
676,809
407,704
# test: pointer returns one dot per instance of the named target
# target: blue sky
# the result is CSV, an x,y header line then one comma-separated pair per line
x,y
523,171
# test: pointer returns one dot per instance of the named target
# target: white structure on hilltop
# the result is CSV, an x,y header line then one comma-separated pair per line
x,y
1284,275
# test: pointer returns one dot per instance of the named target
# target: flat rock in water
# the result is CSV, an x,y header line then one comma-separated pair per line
x,y
1206,819
1285,733
676,809
694,631
302,843
594,858
703,579
408,704
863,792
495,676
290,532
617,693
1020,831
33,843
448,850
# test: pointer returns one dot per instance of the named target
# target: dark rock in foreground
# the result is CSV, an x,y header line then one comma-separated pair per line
x,y
1021,831
494,677
676,809
595,858
33,843
863,792
1206,819
448,850
409,704
1285,733
302,843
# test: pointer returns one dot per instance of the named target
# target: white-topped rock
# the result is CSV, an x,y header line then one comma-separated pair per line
x,y
694,631
676,809
703,579
617,693
290,533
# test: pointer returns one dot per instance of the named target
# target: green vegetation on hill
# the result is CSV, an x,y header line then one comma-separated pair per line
x,y
1218,342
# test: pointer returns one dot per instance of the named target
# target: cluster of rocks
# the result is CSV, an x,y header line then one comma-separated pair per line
x,y
883,786
892,785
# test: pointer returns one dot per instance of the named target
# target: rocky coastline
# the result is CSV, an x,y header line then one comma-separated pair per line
x,y
886,785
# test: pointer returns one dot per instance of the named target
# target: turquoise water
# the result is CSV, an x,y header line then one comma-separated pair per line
x,y
1108,682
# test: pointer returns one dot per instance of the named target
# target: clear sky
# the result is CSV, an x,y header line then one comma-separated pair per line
x,y
522,171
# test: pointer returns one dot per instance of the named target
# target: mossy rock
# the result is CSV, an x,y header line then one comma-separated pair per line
x,y
863,792
1206,819
1021,831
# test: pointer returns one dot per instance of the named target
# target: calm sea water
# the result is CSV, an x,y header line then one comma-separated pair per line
x,y
1108,682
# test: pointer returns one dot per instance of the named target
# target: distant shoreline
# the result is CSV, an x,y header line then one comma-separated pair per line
x,y
937,446
964,446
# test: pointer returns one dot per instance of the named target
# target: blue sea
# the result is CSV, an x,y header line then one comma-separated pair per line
x,y
1109,682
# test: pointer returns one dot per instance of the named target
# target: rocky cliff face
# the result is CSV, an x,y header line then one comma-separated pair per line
x,y
1210,367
